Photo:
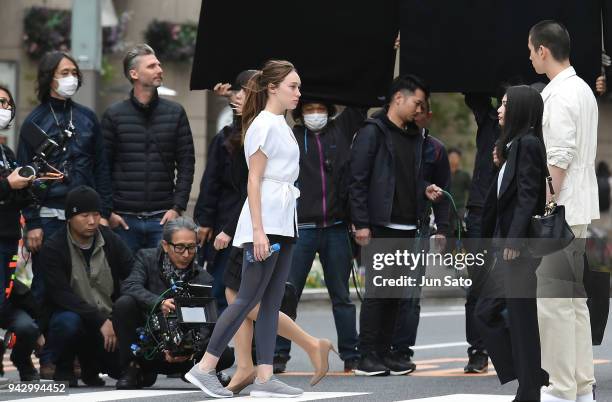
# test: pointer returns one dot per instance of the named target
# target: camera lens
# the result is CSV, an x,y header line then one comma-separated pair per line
x,y
27,171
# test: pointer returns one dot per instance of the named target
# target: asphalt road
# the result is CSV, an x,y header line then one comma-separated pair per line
x,y
440,357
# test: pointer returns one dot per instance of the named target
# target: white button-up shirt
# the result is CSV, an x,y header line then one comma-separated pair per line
x,y
272,135
570,135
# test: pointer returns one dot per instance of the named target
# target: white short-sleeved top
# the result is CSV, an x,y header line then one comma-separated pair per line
x,y
271,133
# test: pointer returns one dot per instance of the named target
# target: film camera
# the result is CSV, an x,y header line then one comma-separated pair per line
x,y
183,332
44,148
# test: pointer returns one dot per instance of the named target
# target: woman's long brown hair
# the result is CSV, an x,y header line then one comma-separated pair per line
x,y
273,72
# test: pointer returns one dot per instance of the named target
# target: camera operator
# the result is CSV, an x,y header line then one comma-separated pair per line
x,y
15,317
85,263
151,277
80,157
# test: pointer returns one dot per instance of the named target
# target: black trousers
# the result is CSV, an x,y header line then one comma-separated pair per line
x,y
509,325
127,317
388,322
473,224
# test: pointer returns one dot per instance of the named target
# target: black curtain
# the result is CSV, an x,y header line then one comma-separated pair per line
x,y
342,49
473,45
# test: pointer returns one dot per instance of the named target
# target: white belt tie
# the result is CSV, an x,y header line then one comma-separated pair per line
x,y
288,190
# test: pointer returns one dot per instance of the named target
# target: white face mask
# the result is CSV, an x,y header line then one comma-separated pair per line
x,y
315,121
5,118
67,86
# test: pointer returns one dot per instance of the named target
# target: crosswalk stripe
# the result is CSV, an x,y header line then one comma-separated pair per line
x,y
308,396
114,395
137,394
440,345
463,398
442,314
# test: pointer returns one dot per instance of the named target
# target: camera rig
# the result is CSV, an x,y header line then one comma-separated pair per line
x,y
183,332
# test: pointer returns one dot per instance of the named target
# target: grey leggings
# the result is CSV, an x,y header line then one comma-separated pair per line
x,y
261,282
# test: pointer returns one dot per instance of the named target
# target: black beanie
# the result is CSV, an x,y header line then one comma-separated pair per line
x,y
82,199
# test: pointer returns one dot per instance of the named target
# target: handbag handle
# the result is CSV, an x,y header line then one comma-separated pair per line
x,y
549,178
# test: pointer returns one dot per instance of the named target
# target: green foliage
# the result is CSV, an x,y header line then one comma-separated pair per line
x,y
46,29
453,123
172,41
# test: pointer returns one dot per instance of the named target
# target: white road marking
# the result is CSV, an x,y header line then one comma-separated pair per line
x,y
440,345
463,398
308,396
136,394
106,395
442,314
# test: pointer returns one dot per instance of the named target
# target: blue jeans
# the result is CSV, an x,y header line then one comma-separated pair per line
x,y
69,336
144,232
216,269
49,227
332,244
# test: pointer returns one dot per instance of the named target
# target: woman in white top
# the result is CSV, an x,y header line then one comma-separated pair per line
x,y
268,217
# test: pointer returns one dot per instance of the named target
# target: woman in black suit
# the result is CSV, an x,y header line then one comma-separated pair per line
x,y
507,311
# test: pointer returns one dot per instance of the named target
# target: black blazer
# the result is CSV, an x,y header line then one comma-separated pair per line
x,y
522,193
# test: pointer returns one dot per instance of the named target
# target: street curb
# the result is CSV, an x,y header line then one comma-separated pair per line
x,y
434,292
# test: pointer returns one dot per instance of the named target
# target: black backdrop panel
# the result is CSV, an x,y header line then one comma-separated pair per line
x,y
342,49
473,45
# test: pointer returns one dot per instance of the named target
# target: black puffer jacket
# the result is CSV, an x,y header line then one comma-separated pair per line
x,y
149,146
10,200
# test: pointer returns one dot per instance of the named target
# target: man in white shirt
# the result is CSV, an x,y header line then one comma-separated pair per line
x,y
570,134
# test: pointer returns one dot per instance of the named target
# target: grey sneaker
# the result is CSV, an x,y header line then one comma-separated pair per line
x,y
207,382
274,388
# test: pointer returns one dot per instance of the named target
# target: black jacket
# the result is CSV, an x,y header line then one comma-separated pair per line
x,y
146,145
323,159
84,159
486,136
11,201
372,182
58,272
522,193
146,282
219,193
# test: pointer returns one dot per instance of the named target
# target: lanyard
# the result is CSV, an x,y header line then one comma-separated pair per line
x,y
67,131
4,159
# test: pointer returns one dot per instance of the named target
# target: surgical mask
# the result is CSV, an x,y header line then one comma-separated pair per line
x,y
315,121
67,86
5,118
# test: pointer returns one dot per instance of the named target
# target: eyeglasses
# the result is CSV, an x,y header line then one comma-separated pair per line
x,y
5,104
180,248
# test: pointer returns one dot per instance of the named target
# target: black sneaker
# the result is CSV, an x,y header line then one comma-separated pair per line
x,y
92,379
478,363
149,378
131,378
371,365
279,365
66,376
28,373
351,364
399,363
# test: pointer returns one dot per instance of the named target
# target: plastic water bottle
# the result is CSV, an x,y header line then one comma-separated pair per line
x,y
273,249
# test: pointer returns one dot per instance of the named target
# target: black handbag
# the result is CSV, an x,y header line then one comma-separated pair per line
x,y
550,232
